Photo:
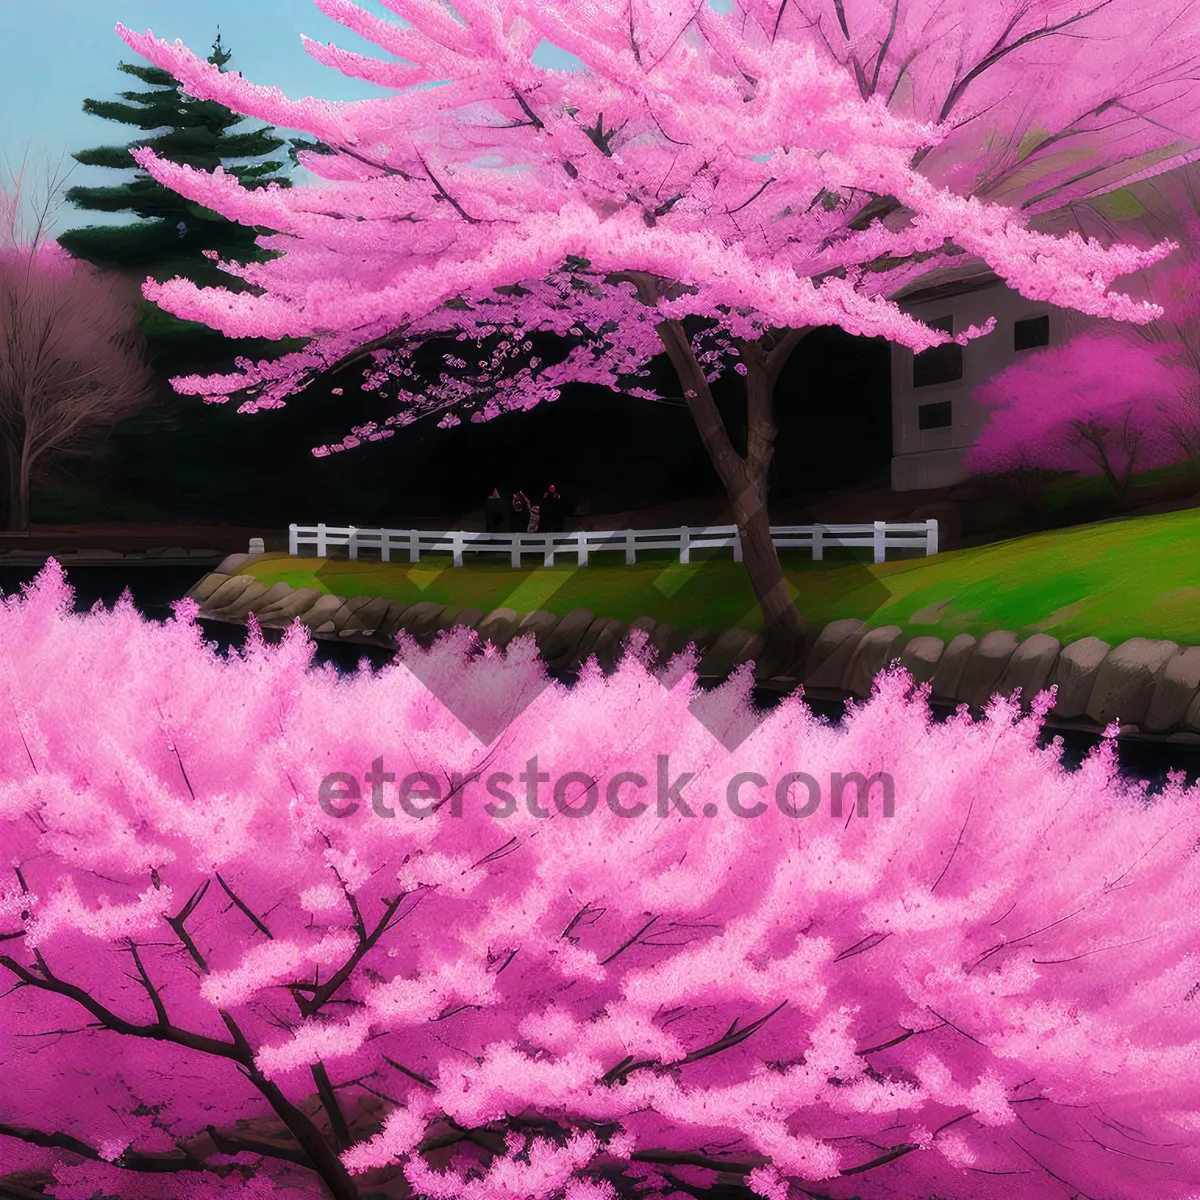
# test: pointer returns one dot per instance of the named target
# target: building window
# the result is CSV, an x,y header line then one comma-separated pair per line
x,y
935,416
1029,334
938,364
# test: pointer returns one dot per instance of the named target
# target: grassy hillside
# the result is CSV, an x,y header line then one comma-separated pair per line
x,y
1116,579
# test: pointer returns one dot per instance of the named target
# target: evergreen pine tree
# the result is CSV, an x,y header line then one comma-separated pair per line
x,y
153,465
172,233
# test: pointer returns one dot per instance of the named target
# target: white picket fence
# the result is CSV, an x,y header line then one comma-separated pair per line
x,y
880,536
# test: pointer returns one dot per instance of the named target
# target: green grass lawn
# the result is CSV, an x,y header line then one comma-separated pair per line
x,y
1115,579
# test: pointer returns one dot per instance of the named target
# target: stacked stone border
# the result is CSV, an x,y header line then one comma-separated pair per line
x,y
1150,687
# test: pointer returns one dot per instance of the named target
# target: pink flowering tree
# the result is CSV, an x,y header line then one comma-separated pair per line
x,y
269,933
71,353
1098,404
1114,399
1174,338
712,182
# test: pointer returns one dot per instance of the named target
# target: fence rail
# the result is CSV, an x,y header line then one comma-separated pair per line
x,y
879,536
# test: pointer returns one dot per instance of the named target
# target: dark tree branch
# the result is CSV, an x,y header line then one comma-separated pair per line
x,y
241,1144
778,19
362,158
183,770
241,904
887,42
732,1037
159,1163
178,921
427,1083
1000,50
160,1010
957,844
324,1158
534,119
628,942
862,945
779,353
10,1189
875,209
324,992
840,9
755,196
159,1031
896,1040
687,1158
333,1110
445,195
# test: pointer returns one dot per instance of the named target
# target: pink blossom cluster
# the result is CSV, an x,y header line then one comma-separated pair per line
x,y
1098,378
988,994
728,150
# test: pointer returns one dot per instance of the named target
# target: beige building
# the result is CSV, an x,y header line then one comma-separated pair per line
x,y
934,420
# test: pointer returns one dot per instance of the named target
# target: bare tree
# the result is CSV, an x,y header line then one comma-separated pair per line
x,y
1113,447
71,351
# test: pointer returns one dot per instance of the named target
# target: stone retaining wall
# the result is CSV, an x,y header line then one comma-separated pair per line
x,y
1148,686
564,642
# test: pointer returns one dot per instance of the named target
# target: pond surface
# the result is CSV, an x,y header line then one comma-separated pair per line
x,y
154,587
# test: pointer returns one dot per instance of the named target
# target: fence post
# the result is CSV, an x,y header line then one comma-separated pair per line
x,y
880,541
322,544
548,549
352,543
685,545
516,549
457,546
293,540
737,544
414,546
931,536
385,546
581,556
630,554
818,543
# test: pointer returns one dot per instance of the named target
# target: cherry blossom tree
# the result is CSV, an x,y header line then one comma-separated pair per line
x,y
1098,404
1114,398
1174,338
713,181
72,357
265,930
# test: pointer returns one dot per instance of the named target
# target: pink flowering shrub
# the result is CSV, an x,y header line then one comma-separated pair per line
x,y
1099,404
1112,400
981,985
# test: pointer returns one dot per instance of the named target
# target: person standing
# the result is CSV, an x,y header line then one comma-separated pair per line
x,y
552,510
495,518
519,513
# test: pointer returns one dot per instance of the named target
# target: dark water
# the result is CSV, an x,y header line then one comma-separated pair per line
x,y
154,587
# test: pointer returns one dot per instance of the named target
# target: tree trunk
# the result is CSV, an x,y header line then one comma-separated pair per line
x,y
744,476
19,504
745,479
6,473
13,521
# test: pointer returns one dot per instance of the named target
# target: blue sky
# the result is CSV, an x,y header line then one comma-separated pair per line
x,y
57,52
